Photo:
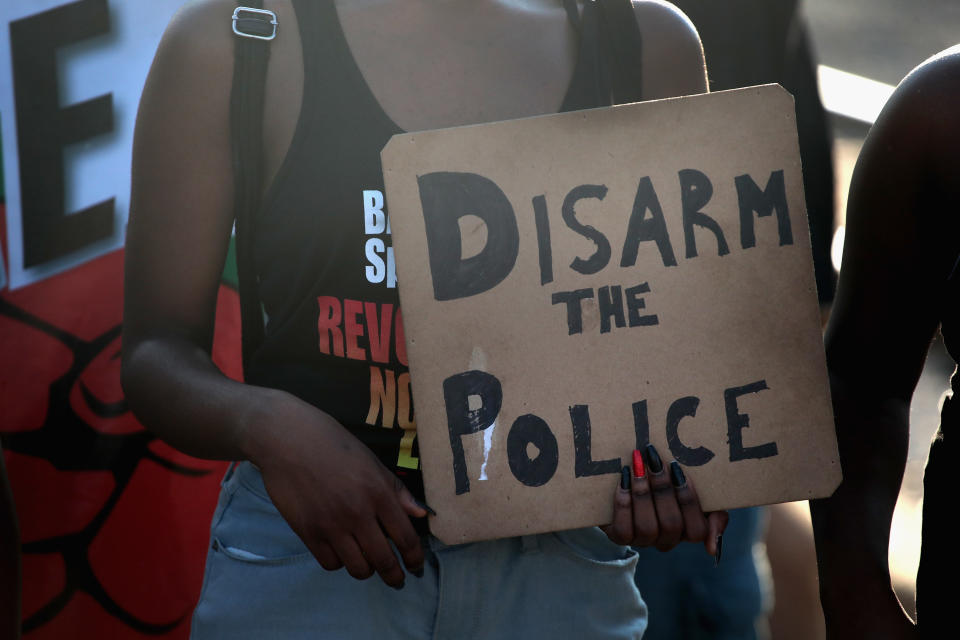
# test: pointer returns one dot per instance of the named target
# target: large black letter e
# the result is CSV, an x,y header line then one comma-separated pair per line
x,y
44,128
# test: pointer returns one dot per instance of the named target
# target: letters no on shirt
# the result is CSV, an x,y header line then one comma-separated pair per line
x,y
342,325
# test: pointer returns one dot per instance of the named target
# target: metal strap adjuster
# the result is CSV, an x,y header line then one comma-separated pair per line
x,y
259,24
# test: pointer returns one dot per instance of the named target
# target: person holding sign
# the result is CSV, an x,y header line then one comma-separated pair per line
x,y
901,235
324,426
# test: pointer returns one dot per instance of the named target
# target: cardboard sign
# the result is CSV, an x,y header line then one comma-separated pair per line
x,y
576,285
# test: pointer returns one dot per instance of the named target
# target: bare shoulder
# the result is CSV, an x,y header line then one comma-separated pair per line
x,y
200,34
931,90
200,30
673,61
656,15
938,73
919,122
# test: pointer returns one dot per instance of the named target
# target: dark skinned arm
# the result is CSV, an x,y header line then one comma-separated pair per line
x,y
901,243
341,501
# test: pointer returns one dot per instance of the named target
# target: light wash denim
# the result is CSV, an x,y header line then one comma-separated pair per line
x,y
261,582
689,598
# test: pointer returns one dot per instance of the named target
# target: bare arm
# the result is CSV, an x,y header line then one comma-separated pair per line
x,y
899,249
180,222
673,63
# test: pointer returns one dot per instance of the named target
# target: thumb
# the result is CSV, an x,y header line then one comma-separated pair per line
x,y
409,504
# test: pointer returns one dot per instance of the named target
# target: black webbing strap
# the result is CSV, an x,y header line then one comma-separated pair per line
x,y
621,35
246,133
610,51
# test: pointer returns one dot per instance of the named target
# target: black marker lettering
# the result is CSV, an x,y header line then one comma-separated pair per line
x,y
695,192
601,256
462,420
529,429
641,424
635,303
574,312
543,239
584,465
641,229
610,303
448,196
737,422
772,198
690,457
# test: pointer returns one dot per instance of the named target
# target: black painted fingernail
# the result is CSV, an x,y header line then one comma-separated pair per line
x,y
676,474
418,572
653,459
716,560
398,587
425,507
625,478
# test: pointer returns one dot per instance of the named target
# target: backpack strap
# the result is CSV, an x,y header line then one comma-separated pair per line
x,y
254,28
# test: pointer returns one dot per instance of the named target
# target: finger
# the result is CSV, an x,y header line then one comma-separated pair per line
x,y
694,522
380,555
716,524
669,519
325,555
352,557
410,505
394,518
620,529
645,527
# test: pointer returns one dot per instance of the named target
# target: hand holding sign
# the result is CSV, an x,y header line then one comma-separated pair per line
x,y
566,276
657,507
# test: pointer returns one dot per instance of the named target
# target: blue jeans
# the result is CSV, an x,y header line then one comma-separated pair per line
x,y
261,582
691,599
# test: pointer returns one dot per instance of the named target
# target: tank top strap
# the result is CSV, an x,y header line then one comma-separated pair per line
x,y
608,62
589,87
332,80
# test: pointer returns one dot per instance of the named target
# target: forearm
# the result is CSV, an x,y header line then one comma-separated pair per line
x,y
177,392
852,528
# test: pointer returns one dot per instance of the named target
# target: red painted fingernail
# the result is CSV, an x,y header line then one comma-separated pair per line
x,y
639,470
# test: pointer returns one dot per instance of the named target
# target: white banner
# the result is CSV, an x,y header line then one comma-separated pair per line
x,y
72,77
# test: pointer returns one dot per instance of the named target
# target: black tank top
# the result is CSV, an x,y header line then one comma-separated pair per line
x,y
323,255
